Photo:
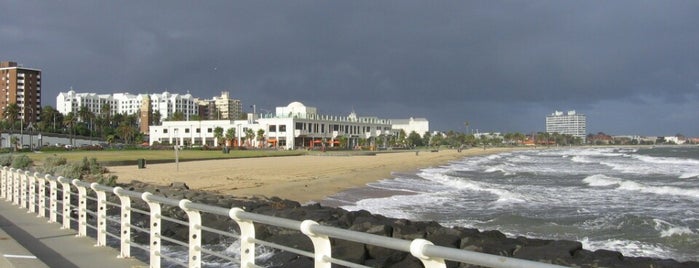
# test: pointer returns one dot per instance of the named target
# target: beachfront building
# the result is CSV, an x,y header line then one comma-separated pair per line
x,y
419,125
290,127
21,86
570,123
165,103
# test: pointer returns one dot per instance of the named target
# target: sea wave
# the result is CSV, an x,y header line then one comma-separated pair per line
x,y
600,180
667,229
503,195
627,247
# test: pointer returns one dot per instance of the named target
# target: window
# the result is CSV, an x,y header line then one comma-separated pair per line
x,y
299,126
209,130
186,130
282,128
273,128
198,130
165,130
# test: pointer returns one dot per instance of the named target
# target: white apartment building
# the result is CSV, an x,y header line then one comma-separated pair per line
x,y
570,123
292,126
419,125
165,103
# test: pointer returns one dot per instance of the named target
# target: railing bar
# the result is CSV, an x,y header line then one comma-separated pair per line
x,y
88,197
483,259
217,231
269,220
175,241
347,264
140,211
354,236
284,248
113,235
174,220
164,200
209,209
113,204
143,247
143,230
209,252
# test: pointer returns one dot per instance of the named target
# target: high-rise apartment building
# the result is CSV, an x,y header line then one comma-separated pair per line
x,y
228,108
21,86
570,123
164,103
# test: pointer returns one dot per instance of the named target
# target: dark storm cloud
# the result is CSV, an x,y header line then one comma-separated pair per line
x,y
502,66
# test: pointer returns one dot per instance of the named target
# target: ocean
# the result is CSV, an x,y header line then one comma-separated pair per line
x,y
638,201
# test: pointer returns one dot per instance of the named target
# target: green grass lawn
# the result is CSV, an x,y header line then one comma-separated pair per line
x,y
128,157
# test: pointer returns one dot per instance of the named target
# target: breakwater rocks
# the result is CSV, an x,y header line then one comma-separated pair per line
x,y
562,252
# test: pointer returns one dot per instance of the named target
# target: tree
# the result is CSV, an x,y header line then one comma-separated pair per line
x,y
427,138
157,117
126,132
249,135
230,135
414,139
261,137
177,116
48,118
218,135
11,113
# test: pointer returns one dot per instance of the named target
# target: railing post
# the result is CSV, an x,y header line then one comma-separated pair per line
x,y
24,189
125,223
247,234
65,224
194,234
3,182
416,249
15,187
321,245
42,194
53,198
82,208
32,192
155,213
101,215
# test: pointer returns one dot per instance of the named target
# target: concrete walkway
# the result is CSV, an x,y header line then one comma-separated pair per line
x,y
29,241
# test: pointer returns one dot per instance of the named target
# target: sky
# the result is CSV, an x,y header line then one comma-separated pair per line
x,y
632,67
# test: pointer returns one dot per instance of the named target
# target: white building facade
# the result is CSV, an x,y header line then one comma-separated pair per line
x,y
419,125
165,103
291,127
570,123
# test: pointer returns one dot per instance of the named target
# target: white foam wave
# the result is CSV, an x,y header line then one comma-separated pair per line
x,y
667,160
600,180
627,247
689,175
667,229
581,159
466,184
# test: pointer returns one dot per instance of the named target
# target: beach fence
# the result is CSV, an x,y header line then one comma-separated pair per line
x,y
39,194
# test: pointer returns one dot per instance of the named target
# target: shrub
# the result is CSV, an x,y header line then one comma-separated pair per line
x,y
22,161
6,160
70,171
52,163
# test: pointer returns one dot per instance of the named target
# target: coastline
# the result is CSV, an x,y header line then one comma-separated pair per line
x,y
305,179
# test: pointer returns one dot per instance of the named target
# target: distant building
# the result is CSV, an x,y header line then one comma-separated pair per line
x,y
220,108
419,125
21,86
292,126
570,123
165,103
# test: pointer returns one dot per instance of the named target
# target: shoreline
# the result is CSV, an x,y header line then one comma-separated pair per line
x,y
305,179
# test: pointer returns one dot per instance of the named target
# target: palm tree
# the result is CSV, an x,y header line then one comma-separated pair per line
x,y
69,121
11,113
126,132
230,135
261,136
86,116
249,135
218,135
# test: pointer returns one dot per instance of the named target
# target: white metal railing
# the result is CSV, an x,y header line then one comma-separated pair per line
x,y
28,190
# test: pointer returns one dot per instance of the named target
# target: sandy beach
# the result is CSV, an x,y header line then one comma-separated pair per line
x,y
301,178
